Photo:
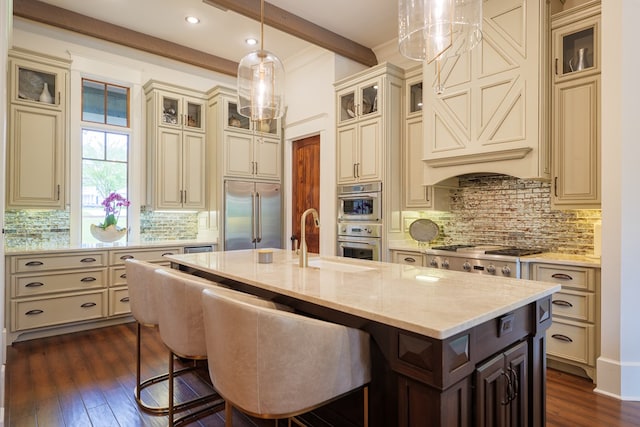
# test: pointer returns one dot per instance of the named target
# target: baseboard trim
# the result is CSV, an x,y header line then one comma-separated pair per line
x,y
620,380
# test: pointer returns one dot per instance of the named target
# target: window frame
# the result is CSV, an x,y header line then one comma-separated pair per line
x,y
106,102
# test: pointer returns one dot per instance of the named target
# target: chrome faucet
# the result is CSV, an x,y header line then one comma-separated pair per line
x,y
304,260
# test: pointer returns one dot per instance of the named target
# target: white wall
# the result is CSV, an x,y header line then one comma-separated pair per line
x,y
619,362
5,37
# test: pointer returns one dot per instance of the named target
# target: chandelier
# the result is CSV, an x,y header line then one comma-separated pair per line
x,y
261,82
433,30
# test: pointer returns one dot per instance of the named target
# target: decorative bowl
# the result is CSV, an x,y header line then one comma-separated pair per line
x,y
109,234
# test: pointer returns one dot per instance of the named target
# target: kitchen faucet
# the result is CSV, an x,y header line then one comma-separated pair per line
x,y
304,260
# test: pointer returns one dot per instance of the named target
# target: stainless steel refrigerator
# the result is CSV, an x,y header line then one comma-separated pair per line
x,y
252,215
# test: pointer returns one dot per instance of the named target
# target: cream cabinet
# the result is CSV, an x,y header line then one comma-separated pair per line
x,y
367,113
493,113
49,293
37,131
576,108
415,258
176,148
573,338
416,195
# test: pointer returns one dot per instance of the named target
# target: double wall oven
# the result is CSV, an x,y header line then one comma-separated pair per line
x,y
360,221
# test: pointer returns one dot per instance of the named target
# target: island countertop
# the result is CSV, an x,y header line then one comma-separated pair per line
x,y
432,302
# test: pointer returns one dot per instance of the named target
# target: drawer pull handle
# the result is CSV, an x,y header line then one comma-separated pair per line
x,y
562,303
561,337
126,257
88,279
409,259
89,259
167,253
125,299
123,276
34,263
34,312
34,285
561,276
88,304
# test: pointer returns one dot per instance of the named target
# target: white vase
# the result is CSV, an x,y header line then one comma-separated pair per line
x,y
45,96
109,234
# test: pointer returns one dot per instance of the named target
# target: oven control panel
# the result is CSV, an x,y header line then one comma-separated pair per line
x,y
361,230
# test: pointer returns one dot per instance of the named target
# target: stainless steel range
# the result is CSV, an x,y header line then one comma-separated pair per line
x,y
480,259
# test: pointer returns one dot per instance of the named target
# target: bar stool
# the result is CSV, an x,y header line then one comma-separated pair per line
x,y
142,285
277,364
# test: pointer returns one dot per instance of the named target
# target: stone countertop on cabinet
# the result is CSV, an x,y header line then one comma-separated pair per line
x,y
52,249
431,302
564,259
407,245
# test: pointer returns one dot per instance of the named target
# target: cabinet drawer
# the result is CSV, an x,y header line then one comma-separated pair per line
x,y
35,313
118,275
25,263
572,340
570,277
153,255
575,305
46,283
409,258
119,301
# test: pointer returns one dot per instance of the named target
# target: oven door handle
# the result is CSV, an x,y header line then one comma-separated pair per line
x,y
359,196
348,243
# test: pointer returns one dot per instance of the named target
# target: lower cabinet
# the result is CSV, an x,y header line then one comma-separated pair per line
x,y
408,257
501,389
47,292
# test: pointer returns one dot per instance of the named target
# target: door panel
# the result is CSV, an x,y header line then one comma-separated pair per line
x,y
306,188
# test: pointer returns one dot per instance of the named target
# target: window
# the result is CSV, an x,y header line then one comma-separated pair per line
x,y
105,151
105,103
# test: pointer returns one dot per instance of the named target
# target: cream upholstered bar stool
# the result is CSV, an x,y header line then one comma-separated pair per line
x,y
142,284
277,364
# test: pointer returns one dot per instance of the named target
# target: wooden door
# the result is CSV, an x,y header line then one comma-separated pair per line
x,y
306,188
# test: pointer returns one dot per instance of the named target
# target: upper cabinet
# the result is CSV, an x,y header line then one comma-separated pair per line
x,y
37,131
493,115
576,108
368,107
176,147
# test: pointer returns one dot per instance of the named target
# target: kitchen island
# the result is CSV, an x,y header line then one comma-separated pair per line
x,y
448,348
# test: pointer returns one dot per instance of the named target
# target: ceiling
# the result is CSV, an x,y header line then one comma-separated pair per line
x,y
370,23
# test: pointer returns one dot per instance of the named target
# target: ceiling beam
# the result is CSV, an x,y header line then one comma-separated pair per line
x,y
62,18
301,28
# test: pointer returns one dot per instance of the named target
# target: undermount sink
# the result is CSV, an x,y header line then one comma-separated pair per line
x,y
324,264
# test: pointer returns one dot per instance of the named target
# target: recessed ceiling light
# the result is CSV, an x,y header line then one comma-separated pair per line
x,y
192,20
251,42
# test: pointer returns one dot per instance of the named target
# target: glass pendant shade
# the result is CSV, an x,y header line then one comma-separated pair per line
x,y
261,86
427,29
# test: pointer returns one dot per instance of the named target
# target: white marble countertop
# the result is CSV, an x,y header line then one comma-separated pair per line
x,y
431,302
565,259
56,248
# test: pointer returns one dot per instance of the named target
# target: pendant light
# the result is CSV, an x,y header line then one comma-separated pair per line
x,y
261,82
433,30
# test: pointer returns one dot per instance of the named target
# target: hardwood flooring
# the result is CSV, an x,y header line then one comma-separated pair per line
x,y
87,379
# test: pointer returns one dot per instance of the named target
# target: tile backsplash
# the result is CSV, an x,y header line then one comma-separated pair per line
x,y
504,210
52,227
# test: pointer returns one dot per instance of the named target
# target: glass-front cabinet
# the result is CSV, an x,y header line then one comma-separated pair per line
x,y
182,112
577,48
36,83
359,102
235,121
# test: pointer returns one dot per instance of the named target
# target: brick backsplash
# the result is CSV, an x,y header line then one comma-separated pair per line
x,y
503,210
31,227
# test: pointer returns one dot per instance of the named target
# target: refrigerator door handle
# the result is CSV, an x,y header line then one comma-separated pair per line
x,y
259,215
253,217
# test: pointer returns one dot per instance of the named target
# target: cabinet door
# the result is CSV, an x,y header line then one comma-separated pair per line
x,y
170,110
577,143
490,397
35,158
409,258
38,84
168,177
238,155
347,154
193,167
193,115
267,158
416,195
369,165
577,49
517,369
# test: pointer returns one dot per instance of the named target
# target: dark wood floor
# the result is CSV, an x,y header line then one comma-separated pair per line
x,y
87,378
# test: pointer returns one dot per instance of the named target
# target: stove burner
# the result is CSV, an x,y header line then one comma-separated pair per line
x,y
451,248
514,252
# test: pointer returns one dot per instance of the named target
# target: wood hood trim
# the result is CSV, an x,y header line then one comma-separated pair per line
x,y
62,18
511,154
